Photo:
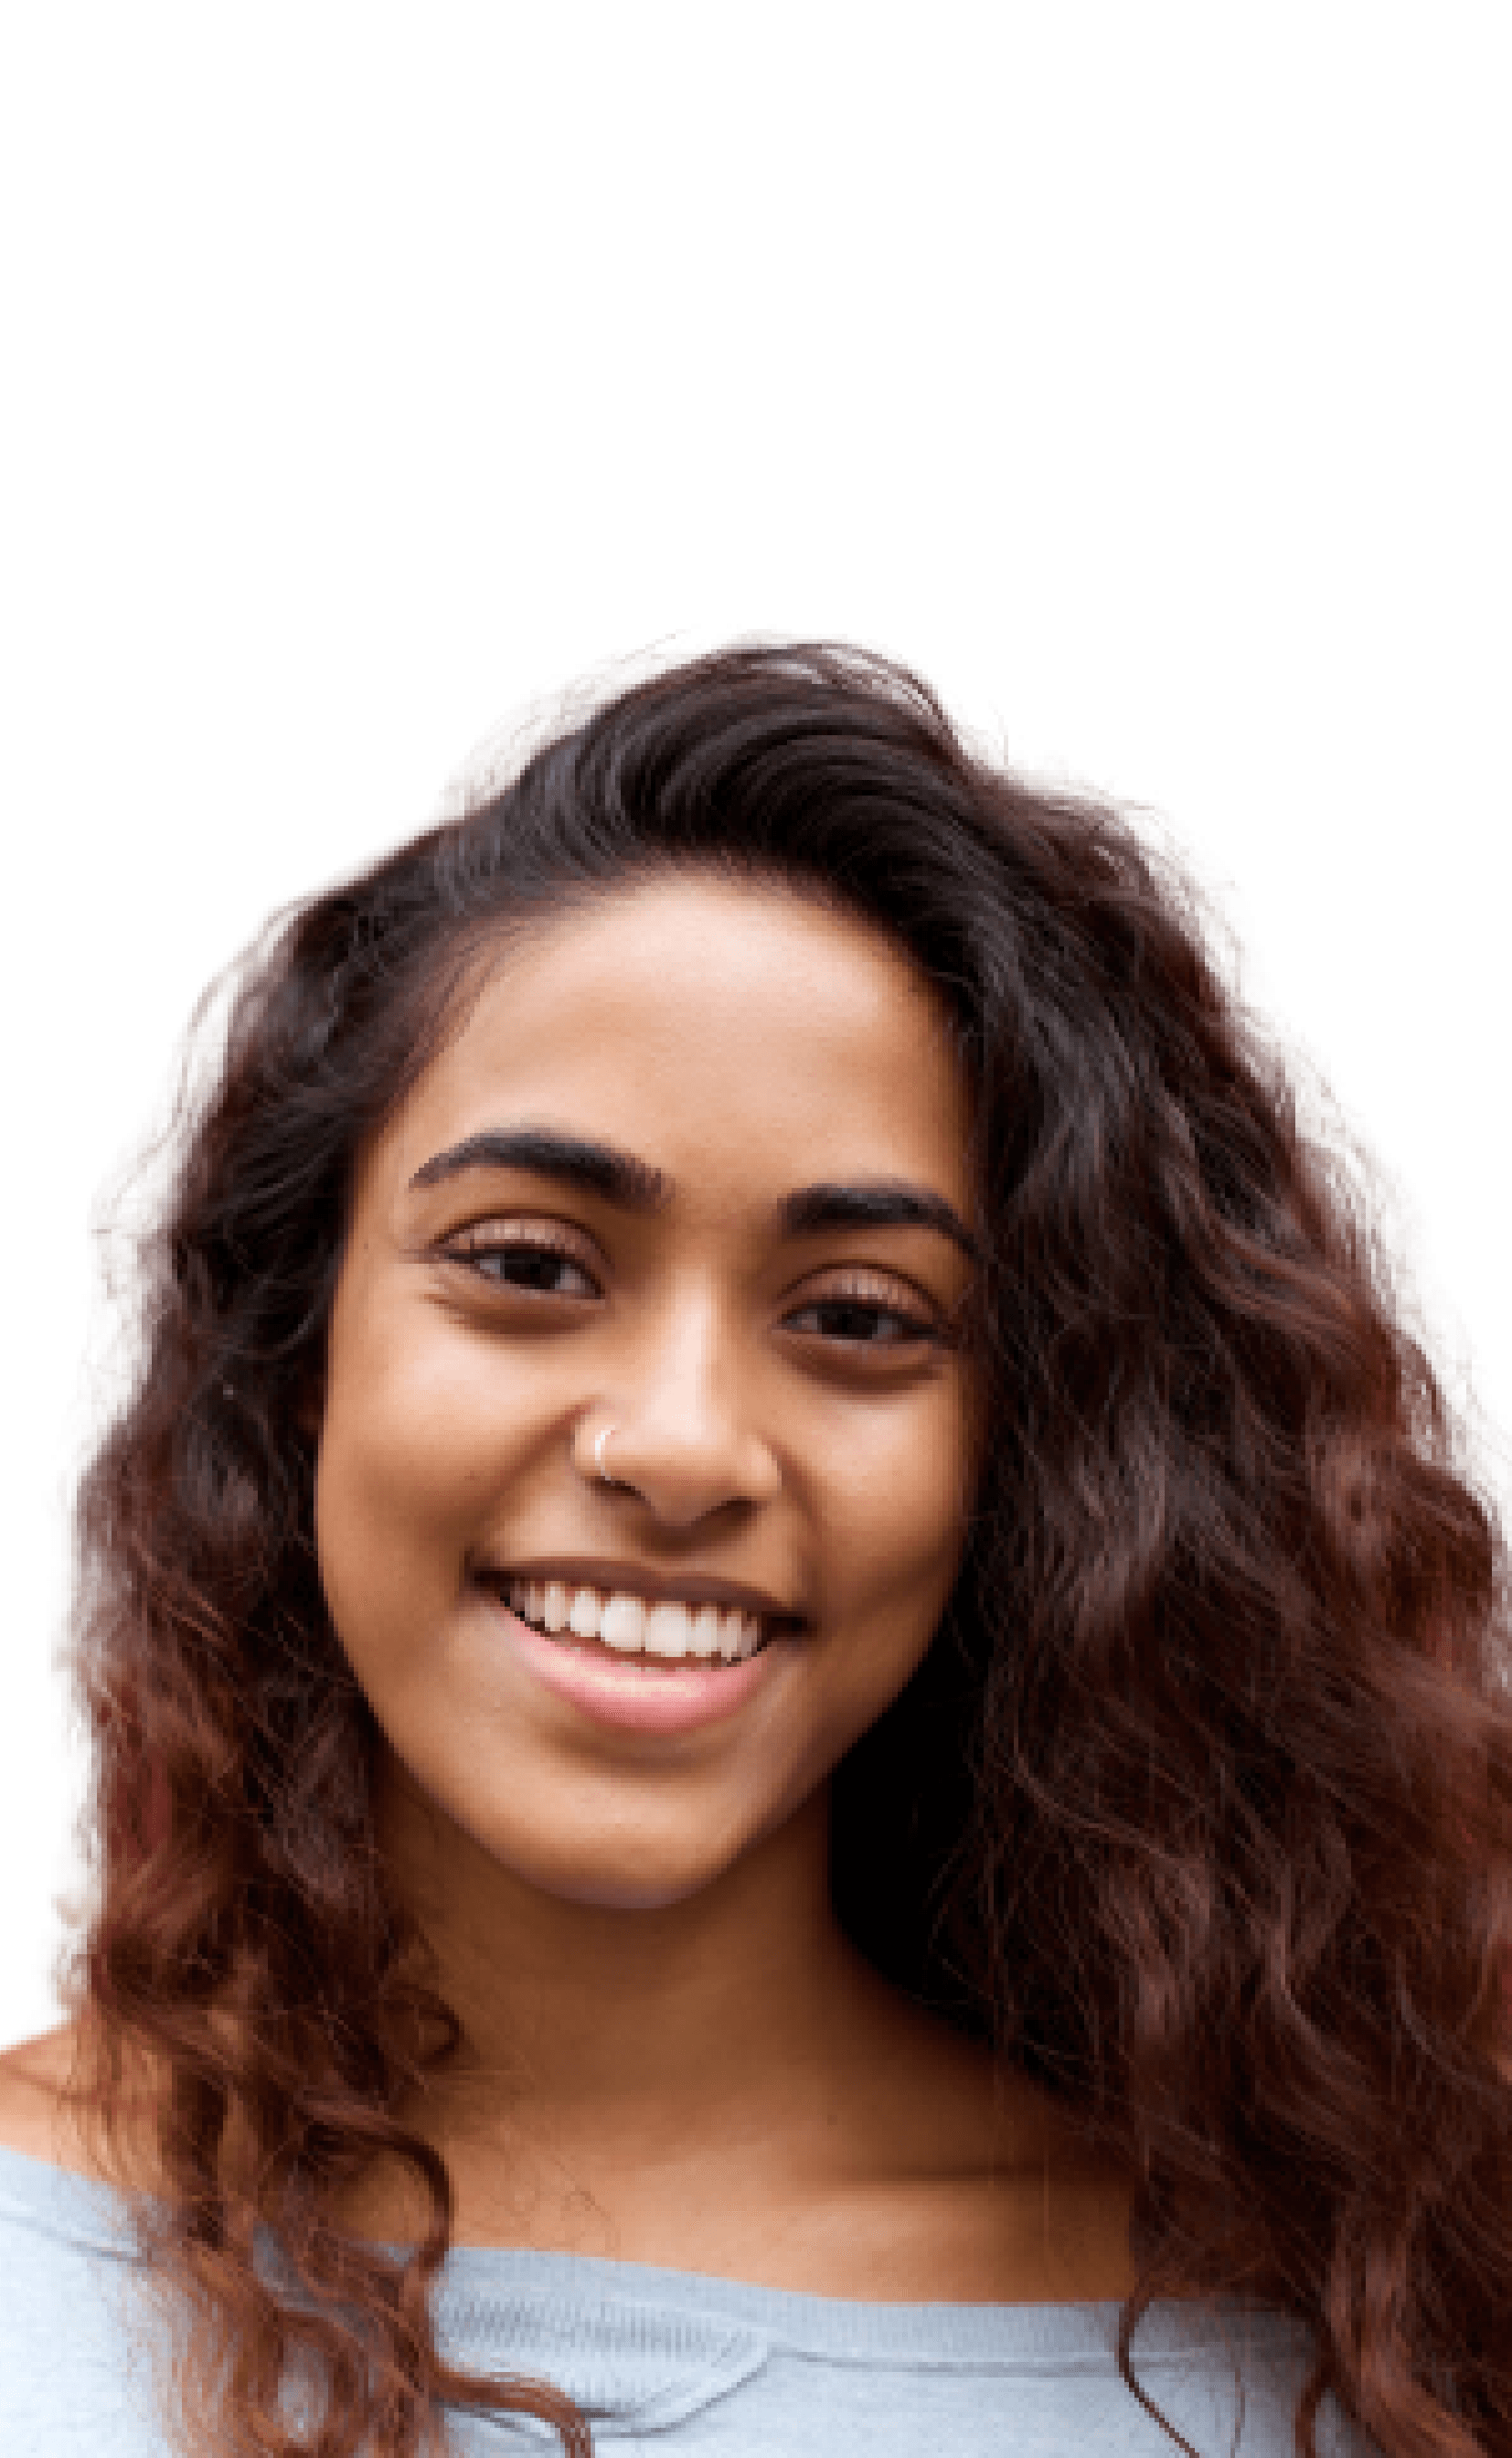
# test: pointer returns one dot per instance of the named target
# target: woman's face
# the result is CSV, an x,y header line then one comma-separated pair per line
x,y
790,1415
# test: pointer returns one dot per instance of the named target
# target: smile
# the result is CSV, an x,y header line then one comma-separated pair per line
x,y
638,1689
664,1631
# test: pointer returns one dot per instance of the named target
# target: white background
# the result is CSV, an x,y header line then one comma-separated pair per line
x,y
1137,372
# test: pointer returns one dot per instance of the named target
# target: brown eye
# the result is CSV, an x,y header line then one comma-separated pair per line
x,y
860,1319
534,1266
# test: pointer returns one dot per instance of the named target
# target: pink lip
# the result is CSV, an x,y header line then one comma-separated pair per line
x,y
662,1700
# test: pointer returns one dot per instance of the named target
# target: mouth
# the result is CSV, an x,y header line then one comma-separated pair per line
x,y
658,1669
649,1634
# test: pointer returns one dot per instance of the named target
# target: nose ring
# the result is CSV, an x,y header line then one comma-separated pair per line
x,y
600,1440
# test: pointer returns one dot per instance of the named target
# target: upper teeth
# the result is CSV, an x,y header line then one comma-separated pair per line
x,y
629,1625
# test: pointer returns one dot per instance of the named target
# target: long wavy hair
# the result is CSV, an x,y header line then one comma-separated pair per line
x,y
1199,1809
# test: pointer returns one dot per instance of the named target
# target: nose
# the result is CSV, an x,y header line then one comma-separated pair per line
x,y
681,1439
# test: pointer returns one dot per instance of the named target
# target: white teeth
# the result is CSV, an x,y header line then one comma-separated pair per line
x,y
622,1622
629,1626
669,1631
705,1636
583,1620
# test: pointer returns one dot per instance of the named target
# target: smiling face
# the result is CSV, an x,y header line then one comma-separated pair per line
x,y
790,1413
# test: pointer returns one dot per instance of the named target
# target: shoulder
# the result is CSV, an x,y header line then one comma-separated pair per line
x,y
40,2105
34,2075
69,2333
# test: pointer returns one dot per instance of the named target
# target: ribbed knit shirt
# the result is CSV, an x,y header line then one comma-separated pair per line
x,y
673,2363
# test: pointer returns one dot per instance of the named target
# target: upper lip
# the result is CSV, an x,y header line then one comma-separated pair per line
x,y
635,1578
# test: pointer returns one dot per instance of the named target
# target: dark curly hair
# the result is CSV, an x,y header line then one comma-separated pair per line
x,y
1199,1808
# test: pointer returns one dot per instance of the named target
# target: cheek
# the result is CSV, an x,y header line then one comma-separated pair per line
x,y
898,1511
896,1533
404,1462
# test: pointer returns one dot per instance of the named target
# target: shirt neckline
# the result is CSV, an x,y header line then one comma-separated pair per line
x,y
483,2287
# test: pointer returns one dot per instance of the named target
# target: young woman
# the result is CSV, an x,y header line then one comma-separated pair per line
x,y
796,1715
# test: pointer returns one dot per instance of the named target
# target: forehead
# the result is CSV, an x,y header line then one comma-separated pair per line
x,y
727,1032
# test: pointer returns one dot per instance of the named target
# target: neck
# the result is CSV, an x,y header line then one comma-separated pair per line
x,y
636,2031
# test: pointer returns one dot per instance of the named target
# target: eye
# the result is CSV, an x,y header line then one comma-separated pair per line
x,y
531,1266
531,1260
858,1316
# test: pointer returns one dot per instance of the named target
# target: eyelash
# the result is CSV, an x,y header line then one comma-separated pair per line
x,y
853,1294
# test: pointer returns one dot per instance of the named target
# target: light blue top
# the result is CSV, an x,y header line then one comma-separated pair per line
x,y
673,2364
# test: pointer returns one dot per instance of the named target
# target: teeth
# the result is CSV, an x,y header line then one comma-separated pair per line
x,y
629,1626
669,1631
622,1622
583,1620
707,1631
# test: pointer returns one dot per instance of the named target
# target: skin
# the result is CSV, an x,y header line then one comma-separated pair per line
x,y
674,2056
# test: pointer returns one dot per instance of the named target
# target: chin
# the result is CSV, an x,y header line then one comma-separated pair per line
x,y
622,1881
617,1895
613,1891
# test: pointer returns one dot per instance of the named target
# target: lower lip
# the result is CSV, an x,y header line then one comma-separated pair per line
x,y
662,1699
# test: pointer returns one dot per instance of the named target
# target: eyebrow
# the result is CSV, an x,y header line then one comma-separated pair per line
x,y
633,1185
